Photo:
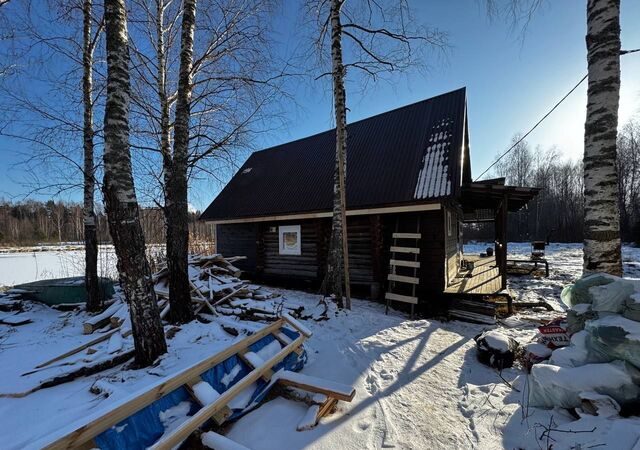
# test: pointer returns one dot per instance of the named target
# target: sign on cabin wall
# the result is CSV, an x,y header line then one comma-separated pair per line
x,y
290,239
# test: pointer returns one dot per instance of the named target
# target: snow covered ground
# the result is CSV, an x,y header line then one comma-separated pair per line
x,y
419,384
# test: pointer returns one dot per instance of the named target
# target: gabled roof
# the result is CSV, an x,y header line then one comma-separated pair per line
x,y
414,154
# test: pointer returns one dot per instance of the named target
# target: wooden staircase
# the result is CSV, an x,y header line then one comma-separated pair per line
x,y
404,259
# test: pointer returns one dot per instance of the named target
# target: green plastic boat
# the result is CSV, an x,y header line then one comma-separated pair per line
x,y
61,290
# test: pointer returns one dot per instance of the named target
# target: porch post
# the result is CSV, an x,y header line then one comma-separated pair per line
x,y
503,240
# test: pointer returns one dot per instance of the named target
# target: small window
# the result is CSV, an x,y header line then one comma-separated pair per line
x,y
290,240
449,224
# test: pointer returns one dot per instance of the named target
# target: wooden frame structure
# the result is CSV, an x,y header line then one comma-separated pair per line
x,y
84,435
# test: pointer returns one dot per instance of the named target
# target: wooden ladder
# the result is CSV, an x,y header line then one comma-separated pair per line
x,y
395,262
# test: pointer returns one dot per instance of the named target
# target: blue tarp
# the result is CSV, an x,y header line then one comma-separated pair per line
x,y
144,428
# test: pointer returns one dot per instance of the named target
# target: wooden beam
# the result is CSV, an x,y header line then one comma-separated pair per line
x,y
317,385
194,422
400,262
403,279
96,426
406,235
317,215
405,250
401,298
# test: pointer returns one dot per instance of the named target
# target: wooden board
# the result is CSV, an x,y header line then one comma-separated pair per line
x,y
124,410
484,279
403,279
407,235
401,298
308,383
405,250
402,263
201,416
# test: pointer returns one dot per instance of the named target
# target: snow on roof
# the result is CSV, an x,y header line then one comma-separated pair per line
x,y
433,179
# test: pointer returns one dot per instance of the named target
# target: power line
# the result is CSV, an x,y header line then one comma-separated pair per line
x,y
533,128
623,52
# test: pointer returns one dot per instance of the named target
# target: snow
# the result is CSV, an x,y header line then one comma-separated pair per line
x,y
496,340
631,327
418,382
218,442
205,393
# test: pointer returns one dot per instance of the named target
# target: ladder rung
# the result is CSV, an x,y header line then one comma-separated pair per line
x,y
403,279
407,235
400,262
405,250
401,298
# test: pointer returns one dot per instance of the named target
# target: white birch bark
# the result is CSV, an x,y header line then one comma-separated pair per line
x,y
338,256
120,196
601,210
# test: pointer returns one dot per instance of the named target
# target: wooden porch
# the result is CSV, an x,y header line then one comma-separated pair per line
x,y
484,279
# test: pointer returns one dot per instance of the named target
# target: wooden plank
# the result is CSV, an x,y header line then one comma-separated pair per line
x,y
194,422
403,279
405,250
104,337
401,298
308,383
399,262
407,235
127,408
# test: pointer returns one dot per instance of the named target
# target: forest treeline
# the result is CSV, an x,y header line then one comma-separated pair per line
x,y
557,211
33,222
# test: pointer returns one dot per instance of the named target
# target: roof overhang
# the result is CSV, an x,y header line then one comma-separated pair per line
x,y
489,196
325,214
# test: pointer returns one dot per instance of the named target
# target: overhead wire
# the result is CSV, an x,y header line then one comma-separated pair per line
x,y
622,52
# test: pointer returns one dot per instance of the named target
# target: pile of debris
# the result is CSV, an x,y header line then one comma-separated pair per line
x,y
217,289
596,360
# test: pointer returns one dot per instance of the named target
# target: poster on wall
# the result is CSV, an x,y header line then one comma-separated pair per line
x,y
290,240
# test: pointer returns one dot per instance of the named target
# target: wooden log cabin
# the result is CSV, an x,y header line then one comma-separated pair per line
x,y
409,189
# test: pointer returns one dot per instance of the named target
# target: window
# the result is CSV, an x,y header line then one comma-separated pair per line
x,y
449,224
290,240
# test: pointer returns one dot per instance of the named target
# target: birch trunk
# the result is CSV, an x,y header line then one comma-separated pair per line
x,y
120,198
601,211
94,300
176,206
338,257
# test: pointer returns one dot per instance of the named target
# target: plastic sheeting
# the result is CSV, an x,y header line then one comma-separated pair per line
x,y
552,386
144,428
613,337
579,292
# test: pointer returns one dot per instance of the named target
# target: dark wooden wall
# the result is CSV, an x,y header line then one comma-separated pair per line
x,y
238,239
369,242
274,265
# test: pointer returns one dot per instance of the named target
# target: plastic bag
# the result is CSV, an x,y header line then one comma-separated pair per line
x,y
553,386
631,308
554,334
578,292
614,337
574,355
611,297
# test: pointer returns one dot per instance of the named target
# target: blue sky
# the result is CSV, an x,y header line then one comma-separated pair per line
x,y
511,83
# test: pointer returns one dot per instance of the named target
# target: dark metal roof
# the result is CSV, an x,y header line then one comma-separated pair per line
x,y
411,154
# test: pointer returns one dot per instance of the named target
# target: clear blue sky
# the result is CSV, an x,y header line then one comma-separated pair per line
x,y
510,82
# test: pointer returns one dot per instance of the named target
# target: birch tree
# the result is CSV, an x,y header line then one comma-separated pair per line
x,y
94,300
206,108
176,203
602,251
120,196
383,38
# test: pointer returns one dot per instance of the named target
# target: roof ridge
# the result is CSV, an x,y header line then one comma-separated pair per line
x,y
273,147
